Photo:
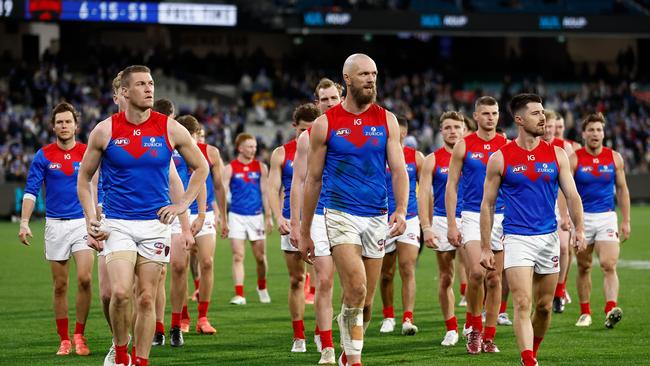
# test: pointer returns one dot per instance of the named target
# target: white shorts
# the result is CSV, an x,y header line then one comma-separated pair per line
x,y
471,229
542,252
411,235
368,232
208,224
319,236
601,226
244,227
440,229
176,226
64,237
150,238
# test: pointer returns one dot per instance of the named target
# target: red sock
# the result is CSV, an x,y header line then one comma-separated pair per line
x,y
139,361
463,288
326,338
468,319
298,329
133,353
585,308
609,306
536,343
176,320
451,324
407,315
160,327
121,355
504,306
489,333
477,323
356,364
184,313
528,358
239,290
203,308
62,329
261,283
316,331
196,284
559,290
79,328
312,290
389,312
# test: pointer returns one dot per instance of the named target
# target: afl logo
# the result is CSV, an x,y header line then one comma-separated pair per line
x,y
159,245
343,132
586,169
477,155
519,169
444,170
122,141
55,166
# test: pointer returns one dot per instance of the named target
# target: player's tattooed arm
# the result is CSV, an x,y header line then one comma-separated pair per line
x,y
275,189
622,197
425,201
451,192
574,203
490,190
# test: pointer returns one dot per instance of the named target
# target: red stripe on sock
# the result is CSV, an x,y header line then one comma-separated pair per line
x,y
239,290
185,314
489,333
261,283
203,308
389,312
407,315
477,323
503,307
585,308
326,338
79,328
176,320
468,319
536,342
134,354
609,306
121,355
463,288
196,284
160,327
298,329
528,358
452,324
316,331
62,329
559,290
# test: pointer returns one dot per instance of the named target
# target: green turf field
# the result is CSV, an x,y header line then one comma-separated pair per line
x,y
258,334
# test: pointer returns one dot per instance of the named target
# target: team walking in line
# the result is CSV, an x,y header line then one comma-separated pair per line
x,y
348,197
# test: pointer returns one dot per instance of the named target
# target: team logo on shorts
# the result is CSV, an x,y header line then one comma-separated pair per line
x,y
342,132
167,249
122,141
381,244
556,261
612,233
411,236
159,245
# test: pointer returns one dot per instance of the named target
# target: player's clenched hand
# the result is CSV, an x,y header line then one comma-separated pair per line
x,y
94,229
454,236
565,223
306,247
580,244
24,232
430,238
224,229
188,239
283,226
624,231
487,259
268,224
167,214
397,224
294,234
98,245
197,224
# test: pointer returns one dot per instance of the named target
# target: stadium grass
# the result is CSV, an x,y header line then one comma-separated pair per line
x,y
258,334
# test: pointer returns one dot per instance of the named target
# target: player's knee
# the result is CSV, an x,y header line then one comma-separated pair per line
x,y
543,309
84,282
387,276
476,275
60,288
325,284
493,281
237,257
357,291
206,263
296,280
407,270
584,267
178,268
608,266
260,259
105,297
120,296
446,280
146,301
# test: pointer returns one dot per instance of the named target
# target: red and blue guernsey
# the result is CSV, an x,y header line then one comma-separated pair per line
x,y
355,164
182,168
58,168
135,168
412,171
246,192
194,207
477,153
287,175
529,185
440,175
595,177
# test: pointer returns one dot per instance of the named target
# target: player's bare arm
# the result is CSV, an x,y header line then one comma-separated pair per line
x,y
201,198
451,192
275,189
313,184
622,197
219,189
574,203
97,142
176,191
181,140
395,157
268,219
425,201
297,183
490,191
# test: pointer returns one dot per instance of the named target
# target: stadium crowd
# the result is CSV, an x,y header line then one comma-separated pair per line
x,y
28,93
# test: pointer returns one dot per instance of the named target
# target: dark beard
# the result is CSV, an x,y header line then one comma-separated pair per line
x,y
362,99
